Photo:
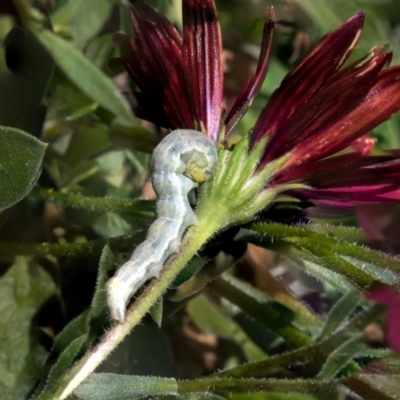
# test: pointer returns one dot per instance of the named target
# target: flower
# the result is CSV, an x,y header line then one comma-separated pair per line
x,y
320,108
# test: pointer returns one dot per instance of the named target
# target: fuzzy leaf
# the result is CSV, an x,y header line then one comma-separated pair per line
x,y
389,365
197,282
273,315
113,386
23,290
339,312
66,359
73,331
21,158
360,265
341,357
156,311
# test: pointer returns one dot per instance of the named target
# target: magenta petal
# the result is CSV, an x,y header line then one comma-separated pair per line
x,y
301,84
349,169
386,295
253,85
305,130
154,62
373,194
381,102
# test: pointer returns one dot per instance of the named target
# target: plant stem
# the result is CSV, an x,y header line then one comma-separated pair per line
x,y
139,208
78,249
216,385
192,242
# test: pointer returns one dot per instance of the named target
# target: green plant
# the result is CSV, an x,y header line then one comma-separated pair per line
x,y
70,209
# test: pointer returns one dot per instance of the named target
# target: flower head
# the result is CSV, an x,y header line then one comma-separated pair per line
x,y
320,108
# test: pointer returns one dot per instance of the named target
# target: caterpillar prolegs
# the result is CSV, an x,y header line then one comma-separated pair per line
x,y
181,161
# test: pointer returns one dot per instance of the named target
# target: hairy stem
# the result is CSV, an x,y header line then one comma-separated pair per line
x,y
138,208
217,385
11,249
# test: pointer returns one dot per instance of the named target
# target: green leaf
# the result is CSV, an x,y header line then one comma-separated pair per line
x,y
89,79
271,396
74,330
374,386
198,396
66,359
273,315
316,353
156,311
21,158
24,288
341,357
232,385
82,18
339,313
388,366
24,83
113,386
193,267
86,142
99,309
146,351
196,283
100,50
211,319
362,266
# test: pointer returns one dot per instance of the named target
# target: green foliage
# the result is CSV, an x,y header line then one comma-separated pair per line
x,y
211,327
21,158
86,76
109,386
23,290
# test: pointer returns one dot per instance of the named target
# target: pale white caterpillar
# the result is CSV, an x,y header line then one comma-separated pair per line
x,y
181,161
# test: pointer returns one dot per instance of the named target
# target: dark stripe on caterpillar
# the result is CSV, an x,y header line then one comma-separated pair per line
x,y
181,161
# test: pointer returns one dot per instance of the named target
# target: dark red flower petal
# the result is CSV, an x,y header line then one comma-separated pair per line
x,y
349,196
344,170
381,102
155,64
306,128
202,63
301,84
253,85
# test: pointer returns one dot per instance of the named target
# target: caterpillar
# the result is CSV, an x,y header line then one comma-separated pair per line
x,y
181,161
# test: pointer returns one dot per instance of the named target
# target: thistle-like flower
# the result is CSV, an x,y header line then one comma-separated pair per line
x,y
320,108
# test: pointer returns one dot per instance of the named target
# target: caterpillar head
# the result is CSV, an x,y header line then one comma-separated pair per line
x,y
200,167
